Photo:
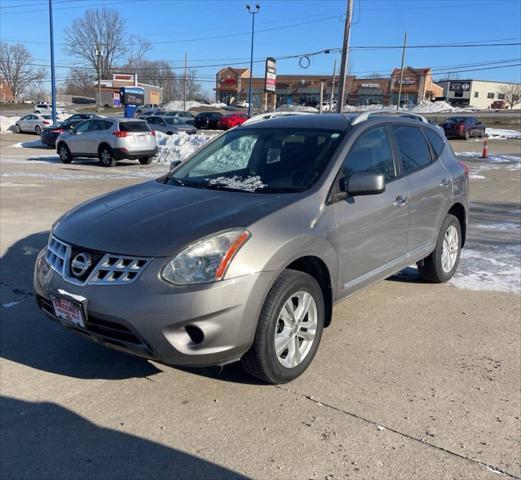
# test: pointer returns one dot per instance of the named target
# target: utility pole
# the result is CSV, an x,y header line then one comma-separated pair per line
x,y
401,71
321,108
250,88
98,99
345,57
53,72
184,81
332,88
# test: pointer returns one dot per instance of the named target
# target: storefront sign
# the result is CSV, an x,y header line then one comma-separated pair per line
x,y
370,85
406,81
271,74
459,86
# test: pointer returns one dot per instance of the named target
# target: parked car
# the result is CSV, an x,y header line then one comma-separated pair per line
x,y
109,139
241,251
169,125
242,104
186,117
498,105
50,134
231,120
208,120
148,111
33,123
463,127
46,108
83,116
147,106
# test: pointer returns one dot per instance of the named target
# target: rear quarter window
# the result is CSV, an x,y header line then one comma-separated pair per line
x,y
435,140
413,148
134,127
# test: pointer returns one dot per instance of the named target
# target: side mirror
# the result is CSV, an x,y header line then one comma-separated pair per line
x,y
366,183
174,164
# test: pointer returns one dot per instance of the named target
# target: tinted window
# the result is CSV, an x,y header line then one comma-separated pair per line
x,y
414,151
371,152
437,142
100,125
134,127
84,126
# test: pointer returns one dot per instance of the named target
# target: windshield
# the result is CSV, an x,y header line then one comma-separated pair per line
x,y
260,160
456,119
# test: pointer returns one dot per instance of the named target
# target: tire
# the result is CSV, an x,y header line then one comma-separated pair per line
x,y
261,360
64,153
432,268
481,133
17,129
146,160
37,130
467,135
105,156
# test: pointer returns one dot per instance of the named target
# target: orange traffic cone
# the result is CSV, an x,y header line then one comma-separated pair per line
x,y
484,154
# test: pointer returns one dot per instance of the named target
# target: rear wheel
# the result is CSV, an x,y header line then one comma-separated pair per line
x,y
37,130
467,134
17,129
105,156
64,153
289,329
442,263
146,160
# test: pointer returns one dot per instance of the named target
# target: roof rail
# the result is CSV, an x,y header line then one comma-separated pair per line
x,y
365,115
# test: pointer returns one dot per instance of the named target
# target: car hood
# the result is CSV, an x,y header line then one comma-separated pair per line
x,y
157,220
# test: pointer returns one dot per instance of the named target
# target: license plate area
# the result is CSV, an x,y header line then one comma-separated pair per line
x,y
69,311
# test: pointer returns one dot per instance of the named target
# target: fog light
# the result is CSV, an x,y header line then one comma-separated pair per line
x,y
195,333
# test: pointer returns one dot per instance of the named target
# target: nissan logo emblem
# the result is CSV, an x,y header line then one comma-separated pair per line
x,y
80,264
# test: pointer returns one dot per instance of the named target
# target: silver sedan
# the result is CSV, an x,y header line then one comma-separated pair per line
x,y
169,125
33,123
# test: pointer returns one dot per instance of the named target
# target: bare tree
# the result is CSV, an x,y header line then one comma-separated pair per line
x,y
138,49
79,82
100,31
512,92
16,68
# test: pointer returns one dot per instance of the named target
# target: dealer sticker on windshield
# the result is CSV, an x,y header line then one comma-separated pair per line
x,y
68,310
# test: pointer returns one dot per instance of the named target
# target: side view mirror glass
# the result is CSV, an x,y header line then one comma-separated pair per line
x,y
366,183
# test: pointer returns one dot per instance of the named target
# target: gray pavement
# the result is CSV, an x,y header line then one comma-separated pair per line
x,y
411,381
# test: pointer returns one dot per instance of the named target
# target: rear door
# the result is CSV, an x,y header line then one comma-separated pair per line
x,y
372,230
429,187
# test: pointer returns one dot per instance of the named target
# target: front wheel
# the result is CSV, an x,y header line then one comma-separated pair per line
x,y
467,135
37,130
64,153
289,329
106,158
146,160
17,129
442,263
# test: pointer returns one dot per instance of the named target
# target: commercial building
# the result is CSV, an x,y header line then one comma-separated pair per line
x,y
232,86
110,89
5,92
479,94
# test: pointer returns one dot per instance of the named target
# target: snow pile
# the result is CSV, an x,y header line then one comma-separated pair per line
x,y
296,108
178,146
502,133
7,123
32,144
366,108
434,107
179,105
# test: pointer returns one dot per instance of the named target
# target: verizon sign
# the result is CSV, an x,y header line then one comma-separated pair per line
x,y
271,74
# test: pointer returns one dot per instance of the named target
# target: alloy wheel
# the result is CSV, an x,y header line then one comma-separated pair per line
x,y
450,248
296,329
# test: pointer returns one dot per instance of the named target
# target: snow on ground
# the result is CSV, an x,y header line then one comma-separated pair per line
x,y
500,158
178,146
179,105
296,108
7,123
32,144
502,133
434,107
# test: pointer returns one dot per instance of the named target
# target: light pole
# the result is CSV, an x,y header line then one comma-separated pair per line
x,y
98,99
53,73
250,89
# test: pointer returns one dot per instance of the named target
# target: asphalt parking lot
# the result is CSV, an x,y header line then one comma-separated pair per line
x,y
411,381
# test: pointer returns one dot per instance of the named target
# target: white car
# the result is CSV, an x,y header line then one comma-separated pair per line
x,y
46,108
242,104
33,123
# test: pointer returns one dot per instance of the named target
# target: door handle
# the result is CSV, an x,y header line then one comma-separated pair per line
x,y
400,201
444,183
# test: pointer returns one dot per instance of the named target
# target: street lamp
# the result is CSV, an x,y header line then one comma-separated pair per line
x,y
253,13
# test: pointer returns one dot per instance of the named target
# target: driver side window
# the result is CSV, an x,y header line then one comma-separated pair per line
x,y
83,127
371,152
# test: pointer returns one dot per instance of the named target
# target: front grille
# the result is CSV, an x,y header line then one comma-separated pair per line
x,y
106,268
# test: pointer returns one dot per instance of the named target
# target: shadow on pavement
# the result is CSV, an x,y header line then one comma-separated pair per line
x,y
30,338
47,441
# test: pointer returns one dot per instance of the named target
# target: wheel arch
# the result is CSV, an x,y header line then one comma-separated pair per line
x,y
458,210
103,144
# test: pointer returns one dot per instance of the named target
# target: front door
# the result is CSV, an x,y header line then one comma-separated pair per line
x,y
371,230
76,140
429,187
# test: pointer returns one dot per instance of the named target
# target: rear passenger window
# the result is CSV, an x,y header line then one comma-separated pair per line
x,y
414,151
100,125
370,152
437,142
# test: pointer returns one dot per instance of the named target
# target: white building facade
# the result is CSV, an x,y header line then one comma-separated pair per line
x,y
480,94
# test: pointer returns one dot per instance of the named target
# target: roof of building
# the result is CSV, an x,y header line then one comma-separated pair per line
x,y
423,70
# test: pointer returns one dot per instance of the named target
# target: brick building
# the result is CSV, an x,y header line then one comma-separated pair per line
x,y
5,92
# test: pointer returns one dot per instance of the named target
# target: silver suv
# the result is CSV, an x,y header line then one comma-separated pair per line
x,y
109,139
241,252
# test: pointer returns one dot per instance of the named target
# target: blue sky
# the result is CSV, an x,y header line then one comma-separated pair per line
x,y
217,32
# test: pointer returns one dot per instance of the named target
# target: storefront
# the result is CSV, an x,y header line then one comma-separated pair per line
x,y
369,91
416,86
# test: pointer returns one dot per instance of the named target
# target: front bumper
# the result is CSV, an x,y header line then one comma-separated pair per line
x,y
120,154
149,317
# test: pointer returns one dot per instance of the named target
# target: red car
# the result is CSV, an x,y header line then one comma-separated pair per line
x,y
232,120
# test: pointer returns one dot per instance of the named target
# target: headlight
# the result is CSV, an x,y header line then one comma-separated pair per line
x,y
206,260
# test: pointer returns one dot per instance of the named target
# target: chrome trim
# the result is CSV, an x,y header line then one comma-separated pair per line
x,y
112,269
